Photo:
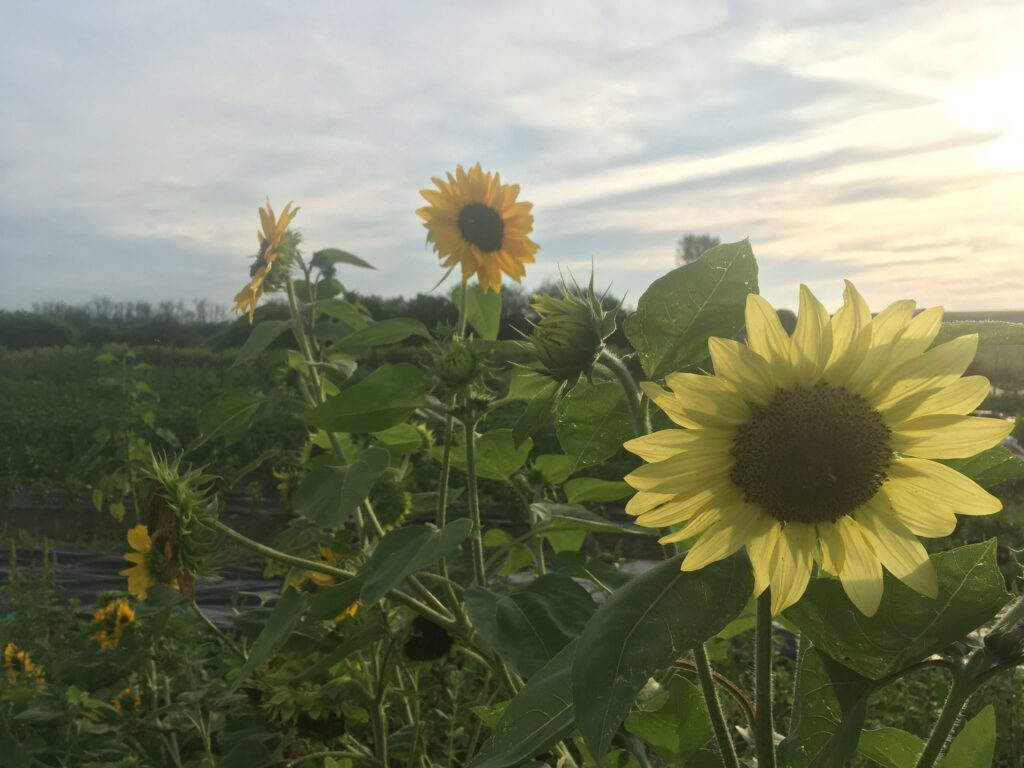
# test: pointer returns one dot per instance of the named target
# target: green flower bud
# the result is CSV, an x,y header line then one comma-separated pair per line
x,y
1006,639
391,502
571,331
456,364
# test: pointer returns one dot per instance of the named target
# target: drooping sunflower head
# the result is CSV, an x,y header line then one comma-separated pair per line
x,y
269,236
476,222
819,447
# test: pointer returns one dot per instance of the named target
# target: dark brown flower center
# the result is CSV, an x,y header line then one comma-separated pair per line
x,y
482,226
811,455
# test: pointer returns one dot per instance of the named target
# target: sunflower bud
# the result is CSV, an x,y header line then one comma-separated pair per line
x,y
457,364
391,502
1007,637
571,331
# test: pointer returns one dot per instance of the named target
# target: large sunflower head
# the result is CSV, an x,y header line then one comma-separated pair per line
x,y
269,236
820,447
475,221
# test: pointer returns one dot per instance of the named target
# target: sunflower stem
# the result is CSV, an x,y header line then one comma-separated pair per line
x,y
218,632
479,571
641,422
706,676
764,732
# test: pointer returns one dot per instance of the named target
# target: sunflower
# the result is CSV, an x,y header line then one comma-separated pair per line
x,y
269,238
19,665
474,220
819,448
113,620
140,576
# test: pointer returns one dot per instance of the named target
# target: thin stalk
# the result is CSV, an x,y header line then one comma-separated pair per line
x,y
477,542
718,724
641,422
802,644
218,632
282,557
732,688
764,732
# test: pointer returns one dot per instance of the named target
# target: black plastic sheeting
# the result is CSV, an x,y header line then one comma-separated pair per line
x,y
84,575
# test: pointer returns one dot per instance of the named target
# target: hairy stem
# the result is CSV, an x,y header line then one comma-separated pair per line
x,y
641,422
764,732
718,724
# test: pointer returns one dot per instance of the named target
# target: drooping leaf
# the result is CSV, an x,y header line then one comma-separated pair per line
x,y
595,490
389,331
990,468
991,333
558,518
679,311
229,415
262,336
675,723
328,495
531,625
483,309
831,707
386,397
538,717
908,626
280,624
406,550
592,423
332,256
656,618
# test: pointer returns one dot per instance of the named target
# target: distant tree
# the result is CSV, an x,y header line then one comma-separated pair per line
x,y
691,247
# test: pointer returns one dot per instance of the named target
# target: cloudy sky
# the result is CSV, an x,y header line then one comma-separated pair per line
x,y
878,141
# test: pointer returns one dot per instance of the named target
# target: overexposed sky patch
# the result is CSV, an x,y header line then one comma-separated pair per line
x,y
877,141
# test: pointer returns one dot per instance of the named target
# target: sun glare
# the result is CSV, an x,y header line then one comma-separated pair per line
x,y
987,105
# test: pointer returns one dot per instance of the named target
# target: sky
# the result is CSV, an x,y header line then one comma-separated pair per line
x,y
877,141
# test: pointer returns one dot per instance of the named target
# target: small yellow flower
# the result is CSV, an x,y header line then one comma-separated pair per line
x,y
140,577
474,221
820,448
348,613
269,238
118,701
20,667
114,619
321,580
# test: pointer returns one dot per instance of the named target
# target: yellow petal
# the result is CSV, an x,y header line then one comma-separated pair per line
x,y
792,568
916,512
761,551
936,368
861,575
812,339
668,403
831,549
708,400
885,328
681,507
941,487
666,443
745,369
698,524
767,337
138,538
850,336
959,399
897,548
735,528
673,475
916,337
949,437
643,501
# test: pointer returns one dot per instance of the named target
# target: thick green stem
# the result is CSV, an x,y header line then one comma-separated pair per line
x,y
641,422
764,732
477,541
951,709
718,724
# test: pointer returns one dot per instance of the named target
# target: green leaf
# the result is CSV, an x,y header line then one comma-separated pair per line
x,y
332,601
385,332
593,422
386,397
908,626
348,646
679,311
975,745
594,490
991,333
497,455
262,336
406,550
675,722
229,415
831,704
400,439
331,256
536,719
483,309
328,495
524,383
531,625
344,311
990,468
538,411
554,467
280,624
891,747
558,518
642,628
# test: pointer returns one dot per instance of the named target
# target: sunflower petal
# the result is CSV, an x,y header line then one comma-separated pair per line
x,y
761,551
949,437
861,575
746,370
812,339
958,399
897,548
941,487
735,528
938,367
792,567
767,337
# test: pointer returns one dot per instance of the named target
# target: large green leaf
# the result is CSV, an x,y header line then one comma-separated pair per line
x,y
891,747
536,719
344,311
332,256
559,518
328,495
991,333
830,710
262,336
386,397
990,468
539,411
406,550
524,383
675,722
592,423
389,331
497,455
334,600
908,626
483,309
975,745
229,415
642,628
679,311
280,624
595,490
529,626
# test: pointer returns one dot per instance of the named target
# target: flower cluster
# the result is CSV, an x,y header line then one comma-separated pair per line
x,y
21,669
112,620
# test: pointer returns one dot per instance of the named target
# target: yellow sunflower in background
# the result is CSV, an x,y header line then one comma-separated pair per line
x,y
19,666
474,221
820,448
140,577
269,238
113,621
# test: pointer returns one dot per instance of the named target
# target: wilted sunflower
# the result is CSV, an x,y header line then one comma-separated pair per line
x,y
140,576
269,238
819,448
474,220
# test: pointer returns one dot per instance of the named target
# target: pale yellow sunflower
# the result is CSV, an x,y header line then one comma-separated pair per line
x,y
269,238
140,576
820,448
474,221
